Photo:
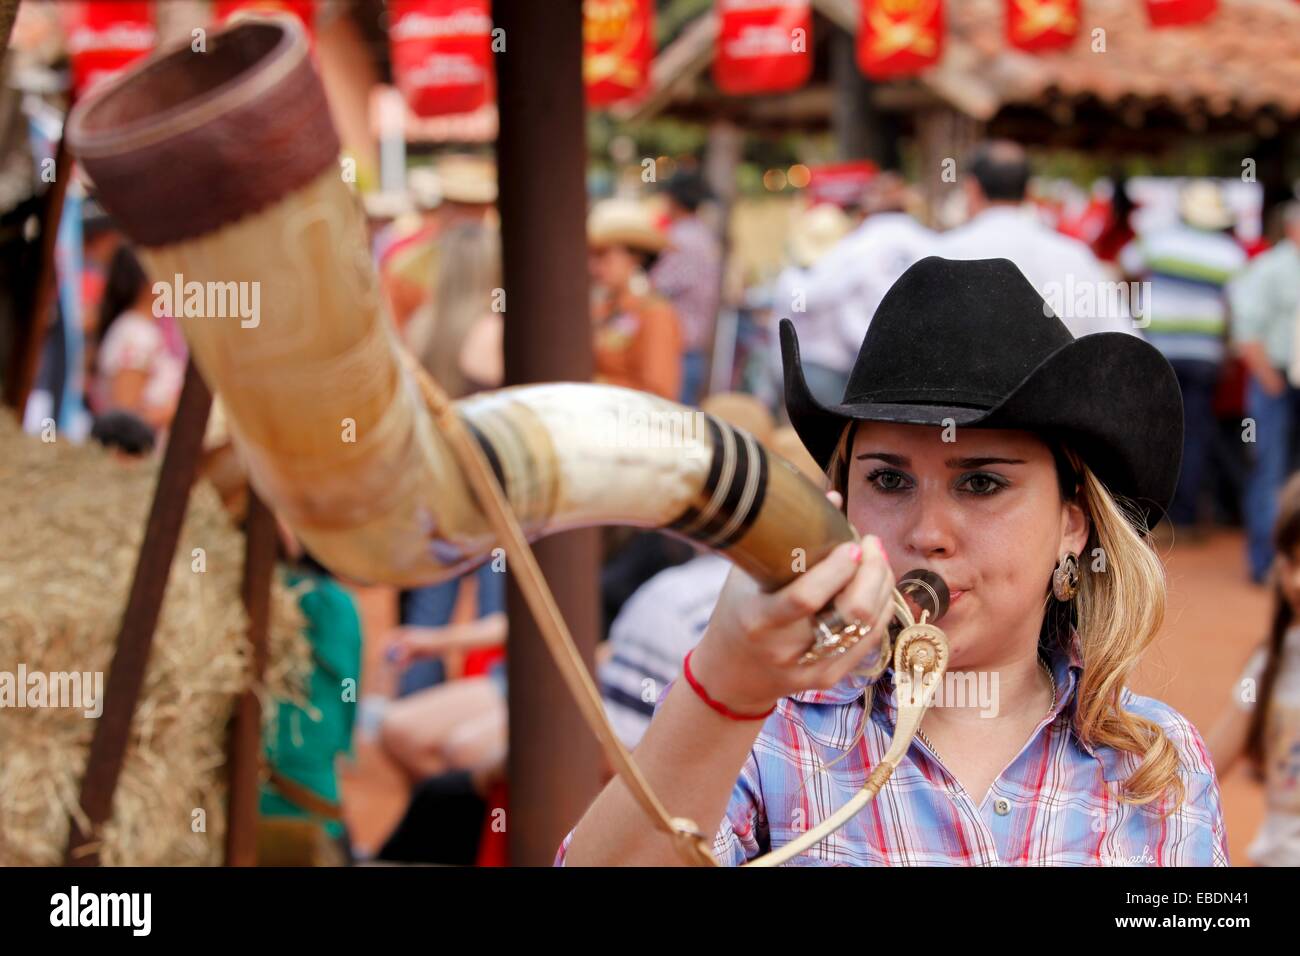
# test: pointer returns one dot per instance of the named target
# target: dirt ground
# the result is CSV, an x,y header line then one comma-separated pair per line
x,y
1216,617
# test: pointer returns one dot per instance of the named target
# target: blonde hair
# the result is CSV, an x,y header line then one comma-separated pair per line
x,y
467,273
1118,610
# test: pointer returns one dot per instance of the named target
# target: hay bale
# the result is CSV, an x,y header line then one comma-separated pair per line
x,y
71,521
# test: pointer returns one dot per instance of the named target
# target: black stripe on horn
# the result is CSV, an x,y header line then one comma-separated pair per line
x,y
489,450
684,523
741,477
727,513
751,507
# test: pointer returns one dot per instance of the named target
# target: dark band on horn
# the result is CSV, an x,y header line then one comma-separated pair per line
x,y
733,493
488,450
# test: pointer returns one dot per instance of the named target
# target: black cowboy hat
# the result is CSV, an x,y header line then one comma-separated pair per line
x,y
972,343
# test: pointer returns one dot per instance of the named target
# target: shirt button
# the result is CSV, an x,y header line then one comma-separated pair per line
x,y
1002,806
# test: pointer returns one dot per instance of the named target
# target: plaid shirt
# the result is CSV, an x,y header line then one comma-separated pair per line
x,y
689,274
1051,805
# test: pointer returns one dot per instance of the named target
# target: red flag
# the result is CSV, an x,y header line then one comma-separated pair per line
x,y
103,37
897,37
763,46
304,10
1038,25
1174,13
618,45
442,54
840,183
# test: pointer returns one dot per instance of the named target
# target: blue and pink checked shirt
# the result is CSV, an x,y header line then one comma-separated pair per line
x,y
1051,806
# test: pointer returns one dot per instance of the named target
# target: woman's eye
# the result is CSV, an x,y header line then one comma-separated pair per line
x,y
886,479
981,484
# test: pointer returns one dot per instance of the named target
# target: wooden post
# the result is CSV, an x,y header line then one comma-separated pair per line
x,y
944,137
725,149
541,161
8,14
245,748
861,130
135,639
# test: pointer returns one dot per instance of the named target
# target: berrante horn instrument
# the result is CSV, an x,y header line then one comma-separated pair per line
x,y
223,167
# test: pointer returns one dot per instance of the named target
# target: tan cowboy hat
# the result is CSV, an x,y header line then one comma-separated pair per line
x,y
623,222
815,231
468,179
1201,205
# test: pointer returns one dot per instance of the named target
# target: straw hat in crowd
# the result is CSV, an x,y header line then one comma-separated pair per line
x,y
624,222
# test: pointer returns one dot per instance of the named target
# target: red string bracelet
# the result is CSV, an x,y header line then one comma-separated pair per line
x,y
720,707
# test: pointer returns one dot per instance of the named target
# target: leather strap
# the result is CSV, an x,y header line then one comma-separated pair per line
x,y
693,846
920,653
304,798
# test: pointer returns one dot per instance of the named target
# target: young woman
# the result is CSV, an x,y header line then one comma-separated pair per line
x,y
638,339
977,439
1263,723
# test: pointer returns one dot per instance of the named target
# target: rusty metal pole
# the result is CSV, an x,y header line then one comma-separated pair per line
x,y
541,167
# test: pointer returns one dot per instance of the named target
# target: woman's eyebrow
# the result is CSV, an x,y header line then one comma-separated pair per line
x,y
902,461
981,462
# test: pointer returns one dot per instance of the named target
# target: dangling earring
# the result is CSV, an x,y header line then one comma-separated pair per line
x,y
1065,579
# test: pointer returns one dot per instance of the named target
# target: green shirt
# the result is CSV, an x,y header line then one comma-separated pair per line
x,y
1266,301
302,744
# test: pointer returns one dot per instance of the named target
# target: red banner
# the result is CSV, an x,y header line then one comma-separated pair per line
x,y
763,46
618,45
304,10
840,183
104,36
1038,25
898,37
1176,13
442,54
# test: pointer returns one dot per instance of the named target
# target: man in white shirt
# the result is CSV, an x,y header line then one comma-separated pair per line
x,y
857,272
1063,270
838,293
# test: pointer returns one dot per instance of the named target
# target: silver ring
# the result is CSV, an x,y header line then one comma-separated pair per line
x,y
833,635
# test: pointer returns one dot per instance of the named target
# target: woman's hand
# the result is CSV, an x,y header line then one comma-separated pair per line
x,y
749,657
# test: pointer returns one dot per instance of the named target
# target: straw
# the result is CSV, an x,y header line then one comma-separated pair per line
x,y
71,521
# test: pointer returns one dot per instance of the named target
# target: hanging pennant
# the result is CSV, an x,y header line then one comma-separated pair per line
x,y
1038,25
841,184
304,10
618,45
1176,13
763,46
105,36
899,37
441,52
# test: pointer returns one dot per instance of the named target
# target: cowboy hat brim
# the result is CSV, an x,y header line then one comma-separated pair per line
x,y
1111,396
642,240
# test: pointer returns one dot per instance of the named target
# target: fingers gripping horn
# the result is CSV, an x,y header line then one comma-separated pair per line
x,y
223,168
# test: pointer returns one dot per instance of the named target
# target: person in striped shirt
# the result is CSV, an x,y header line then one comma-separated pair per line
x,y
1188,265
981,441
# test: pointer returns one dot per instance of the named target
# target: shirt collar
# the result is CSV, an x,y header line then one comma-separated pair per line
x,y
1067,669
